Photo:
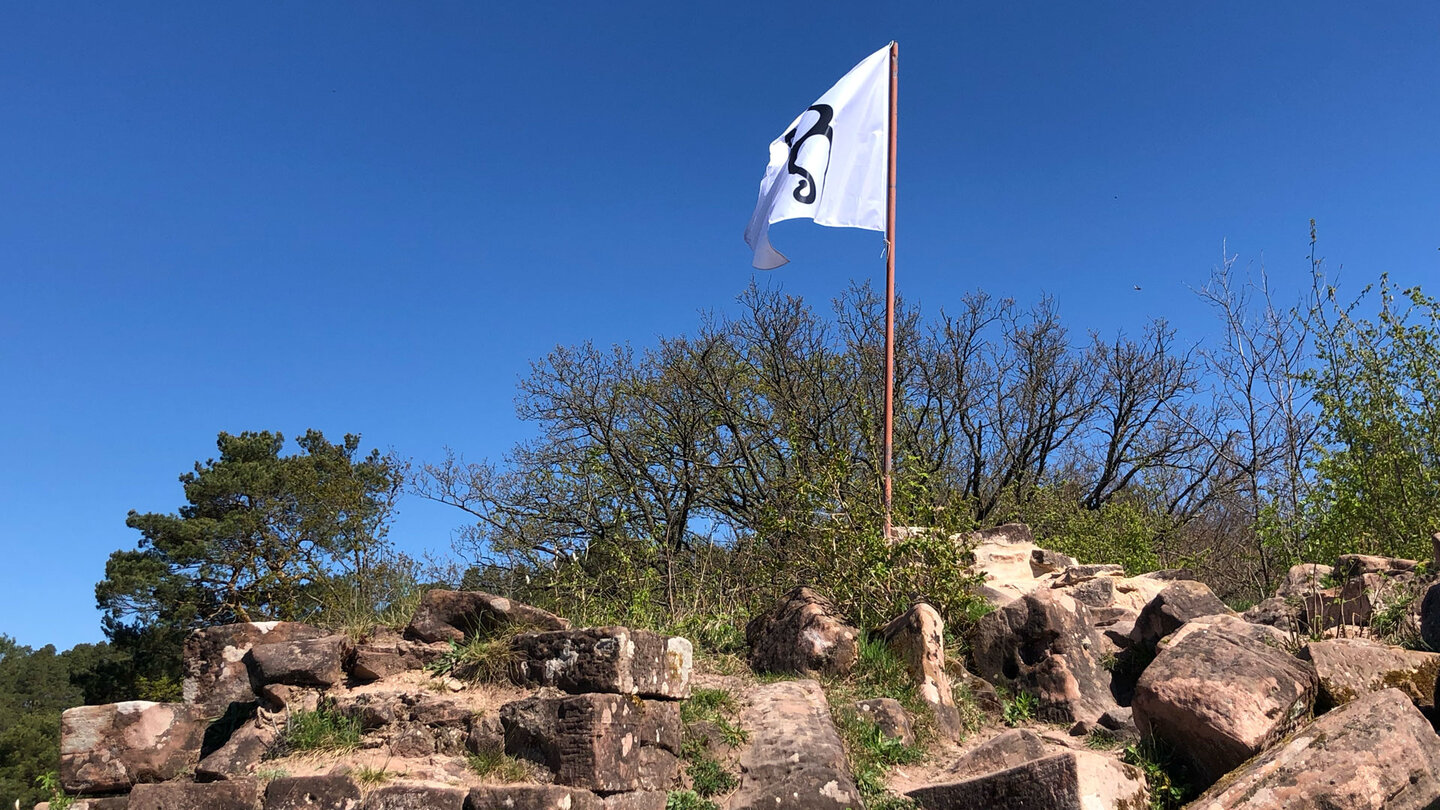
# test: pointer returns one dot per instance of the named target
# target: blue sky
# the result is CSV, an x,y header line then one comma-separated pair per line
x,y
370,217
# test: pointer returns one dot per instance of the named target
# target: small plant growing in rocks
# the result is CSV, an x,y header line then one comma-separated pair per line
x,y
1019,709
324,729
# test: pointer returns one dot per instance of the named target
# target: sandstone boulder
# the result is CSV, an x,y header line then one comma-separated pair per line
x,y
535,797
795,759
1233,626
107,749
238,795
638,800
314,662
312,793
215,674
1305,578
918,637
802,633
889,716
1350,667
1219,700
1069,780
387,653
239,756
1039,645
453,615
1274,612
1375,752
415,797
616,660
1176,604
1001,752
595,741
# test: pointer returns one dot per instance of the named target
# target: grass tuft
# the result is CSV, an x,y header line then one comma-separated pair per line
x,y
321,730
501,767
688,800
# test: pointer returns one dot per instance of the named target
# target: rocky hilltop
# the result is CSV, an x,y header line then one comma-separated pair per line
x,y
481,702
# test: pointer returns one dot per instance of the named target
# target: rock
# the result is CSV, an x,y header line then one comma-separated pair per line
x,y
415,797
415,742
1274,612
1375,752
104,803
1070,780
981,691
1219,700
1430,617
889,716
1234,627
386,653
803,633
1346,604
240,755
453,615
1120,720
541,797
795,760
279,698
639,800
918,637
1003,555
214,661
1176,604
306,662
1076,574
107,749
241,794
1357,565
312,793
617,660
1007,750
1350,667
487,735
593,741
1045,561
1303,579
1040,646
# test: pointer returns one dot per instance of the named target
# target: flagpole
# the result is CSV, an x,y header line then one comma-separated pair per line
x,y
890,289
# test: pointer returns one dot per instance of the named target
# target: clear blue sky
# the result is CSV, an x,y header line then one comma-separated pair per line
x,y
371,217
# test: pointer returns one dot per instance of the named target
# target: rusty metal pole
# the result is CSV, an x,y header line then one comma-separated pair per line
x,y
890,290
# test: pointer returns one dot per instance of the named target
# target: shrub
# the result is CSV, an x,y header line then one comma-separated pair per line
x,y
324,729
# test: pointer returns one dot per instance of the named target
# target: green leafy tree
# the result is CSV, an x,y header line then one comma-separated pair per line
x,y
34,689
1377,487
261,536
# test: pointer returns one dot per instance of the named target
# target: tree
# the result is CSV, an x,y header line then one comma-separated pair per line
x,y
34,689
260,534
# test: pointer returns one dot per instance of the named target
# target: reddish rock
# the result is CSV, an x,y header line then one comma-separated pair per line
x,y
387,653
1040,645
639,800
889,716
1070,780
1430,617
453,615
1375,752
214,661
802,633
1176,604
1350,667
312,793
918,637
238,795
795,759
107,749
616,660
316,662
240,756
415,797
1218,699
541,797
593,741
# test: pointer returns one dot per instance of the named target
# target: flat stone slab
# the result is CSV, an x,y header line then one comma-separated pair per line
x,y
312,793
534,797
453,615
596,741
236,795
1351,667
795,759
1070,780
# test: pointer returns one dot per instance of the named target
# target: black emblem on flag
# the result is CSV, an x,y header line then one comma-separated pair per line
x,y
805,191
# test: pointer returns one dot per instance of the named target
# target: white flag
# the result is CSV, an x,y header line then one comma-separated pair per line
x,y
830,165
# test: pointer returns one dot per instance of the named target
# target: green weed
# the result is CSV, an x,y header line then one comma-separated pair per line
x,y
373,777
1170,784
500,767
321,730
1019,709
688,800
50,783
